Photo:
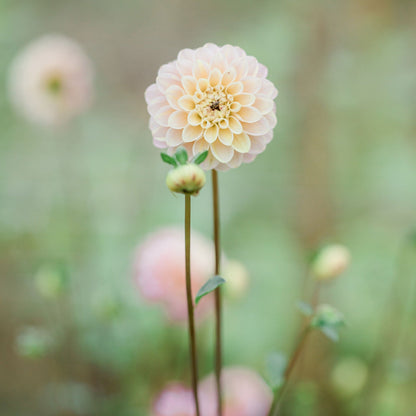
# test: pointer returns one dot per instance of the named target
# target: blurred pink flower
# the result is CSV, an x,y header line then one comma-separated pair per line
x,y
213,98
50,81
245,393
175,400
159,271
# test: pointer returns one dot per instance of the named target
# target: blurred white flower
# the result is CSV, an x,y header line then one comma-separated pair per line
x,y
174,400
237,279
50,81
213,98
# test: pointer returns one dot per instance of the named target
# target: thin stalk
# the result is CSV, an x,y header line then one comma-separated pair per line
x,y
217,293
274,410
189,298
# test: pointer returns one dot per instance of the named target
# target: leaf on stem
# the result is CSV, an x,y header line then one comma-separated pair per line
x,y
276,364
181,156
209,286
169,159
201,157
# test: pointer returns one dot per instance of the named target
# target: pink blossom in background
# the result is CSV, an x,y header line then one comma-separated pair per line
x,y
175,400
244,393
159,271
213,98
50,81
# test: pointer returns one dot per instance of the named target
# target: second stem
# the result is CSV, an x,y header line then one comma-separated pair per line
x,y
189,298
217,293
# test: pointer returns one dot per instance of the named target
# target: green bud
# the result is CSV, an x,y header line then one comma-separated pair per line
x,y
186,179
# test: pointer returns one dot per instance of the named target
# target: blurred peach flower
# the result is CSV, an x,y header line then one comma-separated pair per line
x,y
50,81
174,400
213,98
159,271
244,393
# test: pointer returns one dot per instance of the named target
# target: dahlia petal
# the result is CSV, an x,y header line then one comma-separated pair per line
x,y
241,143
200,146
164,81
169,69
235,107
186,103
211,134
258,144
235,162
264,105
252,85
160,133
189,84
228,77
245,99
241,68
268,89
234,88
163,115
223,123
178,120
194,119
249,114
174,137
221,152
226,136
201,69
186,53
210,162
159,144
229,52
152,93
252,66
235,125
191,133
173,94
153,125
272,120
262,71
203,84
219,62
155,107
215,77
185,67
248,157
257,128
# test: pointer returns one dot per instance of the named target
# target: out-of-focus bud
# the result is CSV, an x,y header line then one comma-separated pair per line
x,y
34,342
186,179
237,279
107,306
330,262
51,281
349,376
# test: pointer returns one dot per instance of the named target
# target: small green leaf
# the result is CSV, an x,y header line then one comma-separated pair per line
x,y
210,285
181,156
305,308
201,157
276,364
330,332
169,159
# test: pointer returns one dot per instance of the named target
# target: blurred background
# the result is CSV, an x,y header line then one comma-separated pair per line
x,y
76,201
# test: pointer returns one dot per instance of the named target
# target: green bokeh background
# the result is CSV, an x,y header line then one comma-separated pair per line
x,y
341,168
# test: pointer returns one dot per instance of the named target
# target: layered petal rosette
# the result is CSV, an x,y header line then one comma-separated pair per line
x,y
213,98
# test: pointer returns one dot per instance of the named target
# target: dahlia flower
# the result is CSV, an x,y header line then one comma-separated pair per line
x,y
244,394
213,98
50,80
159,271
174,400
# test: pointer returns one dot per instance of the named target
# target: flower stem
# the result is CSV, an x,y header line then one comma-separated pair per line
x,y
217,293
191,320
274,410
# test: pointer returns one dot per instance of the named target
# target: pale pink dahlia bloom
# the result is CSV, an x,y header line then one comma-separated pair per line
x,y
244,393
50,81
174,400
213,98
159,271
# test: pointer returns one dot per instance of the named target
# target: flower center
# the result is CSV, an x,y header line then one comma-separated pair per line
x,y
213,105
54,84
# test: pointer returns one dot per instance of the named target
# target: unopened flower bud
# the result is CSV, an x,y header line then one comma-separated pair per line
x,y
237,278
186,179
330,262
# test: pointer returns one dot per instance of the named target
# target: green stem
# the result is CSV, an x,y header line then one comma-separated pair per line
x,y
217,293
274,410
189,298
